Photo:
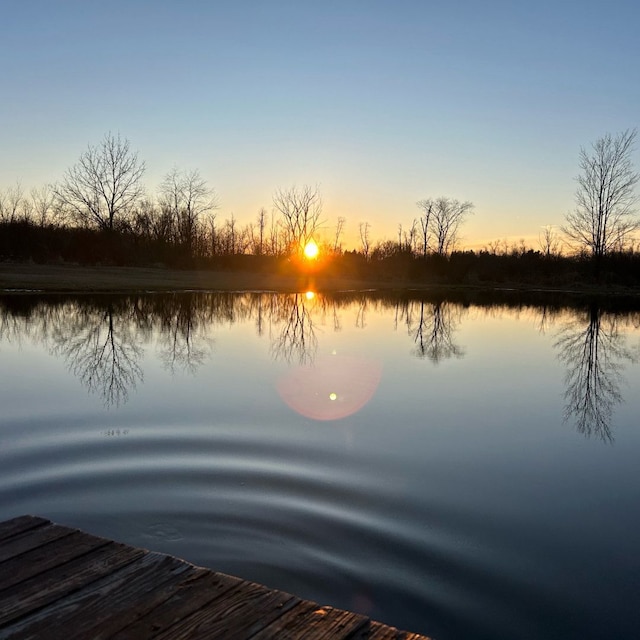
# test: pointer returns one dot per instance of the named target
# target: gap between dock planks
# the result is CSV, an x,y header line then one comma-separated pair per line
x,y
57,582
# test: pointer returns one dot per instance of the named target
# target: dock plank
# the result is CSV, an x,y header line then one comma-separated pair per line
x,y
51,585
47,556
313,622
32,539
379,631
191,596
238,614
20,524
105,607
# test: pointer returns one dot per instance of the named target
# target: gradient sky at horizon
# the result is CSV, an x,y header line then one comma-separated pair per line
x,y
379,103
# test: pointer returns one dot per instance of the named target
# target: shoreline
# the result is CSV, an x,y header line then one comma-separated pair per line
x,y
16,278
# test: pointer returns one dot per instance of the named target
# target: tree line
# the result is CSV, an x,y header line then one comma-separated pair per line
x,y
100,212
104,192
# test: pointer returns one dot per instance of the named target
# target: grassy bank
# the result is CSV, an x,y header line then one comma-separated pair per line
x,y
87,279
67,278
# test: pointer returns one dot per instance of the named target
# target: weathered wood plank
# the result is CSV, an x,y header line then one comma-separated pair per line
x,y
237,615
47,587
379,631
103,608
191,595
309,621
20,524
32,539
45,557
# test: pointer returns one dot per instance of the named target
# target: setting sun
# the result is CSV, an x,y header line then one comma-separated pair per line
x,y
311,250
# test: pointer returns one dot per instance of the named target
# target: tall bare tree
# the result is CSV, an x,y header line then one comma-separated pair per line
x,y
301,208
185,197
365,240
549,242
13,205
43,207
337,244
605,214
442,218
262,226
105,184
426,207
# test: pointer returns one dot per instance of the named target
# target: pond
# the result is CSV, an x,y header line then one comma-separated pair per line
x,y
459,467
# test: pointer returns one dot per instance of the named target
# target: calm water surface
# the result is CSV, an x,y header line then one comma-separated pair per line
x,y
462,470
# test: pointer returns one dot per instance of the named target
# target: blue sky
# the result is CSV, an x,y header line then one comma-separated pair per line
x,y
379,103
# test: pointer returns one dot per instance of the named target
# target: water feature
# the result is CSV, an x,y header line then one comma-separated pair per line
x,y
458,467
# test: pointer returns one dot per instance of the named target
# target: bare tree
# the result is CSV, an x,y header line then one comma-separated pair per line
x,y
43,207
301,208
185,197
605,214
13,205
262,225
426,206
409,238
337,244
549,242
448,215
103,187
364,238
442,217
230,235
213,234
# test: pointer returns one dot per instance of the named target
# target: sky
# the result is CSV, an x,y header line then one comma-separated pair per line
x,y
380,104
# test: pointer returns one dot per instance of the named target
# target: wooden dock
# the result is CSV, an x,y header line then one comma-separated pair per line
x,y
57,582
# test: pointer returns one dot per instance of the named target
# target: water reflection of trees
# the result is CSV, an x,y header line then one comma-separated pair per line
x,y
181,345
104,338
432,326
294,338
594,351
100,348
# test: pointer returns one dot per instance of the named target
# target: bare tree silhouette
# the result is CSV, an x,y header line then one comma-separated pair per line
x,y
593,352
605,216
103,187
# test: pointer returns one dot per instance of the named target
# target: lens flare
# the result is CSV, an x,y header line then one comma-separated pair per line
x,y
331,388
